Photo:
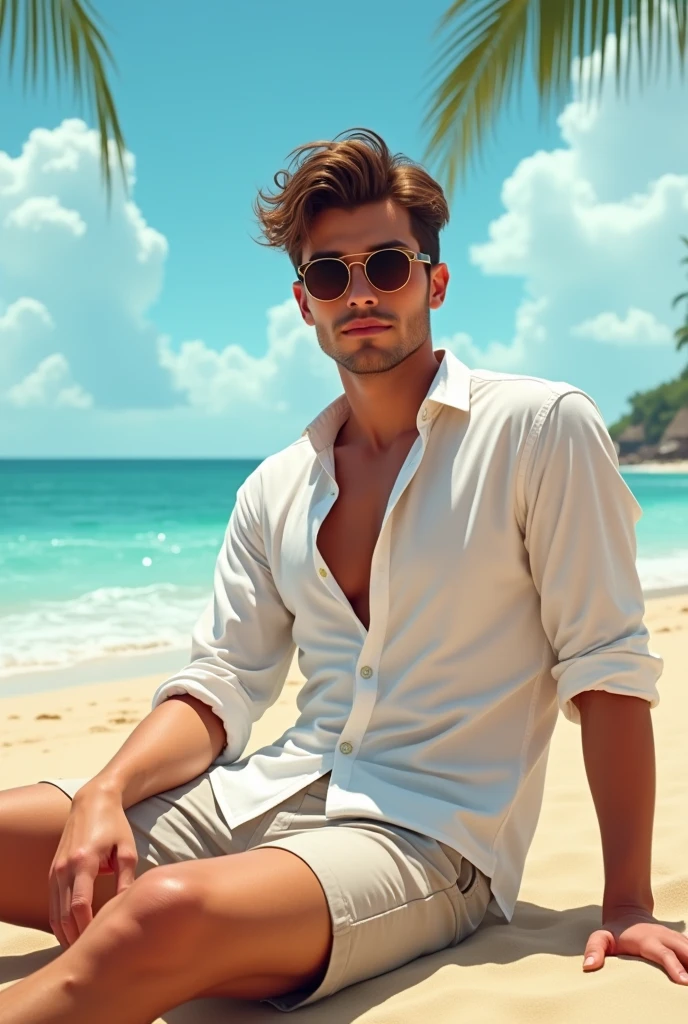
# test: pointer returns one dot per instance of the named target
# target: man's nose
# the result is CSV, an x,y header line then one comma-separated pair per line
x,y
360,288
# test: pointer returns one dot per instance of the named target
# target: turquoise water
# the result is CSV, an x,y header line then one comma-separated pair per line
x,y
116,557
107,557
662,531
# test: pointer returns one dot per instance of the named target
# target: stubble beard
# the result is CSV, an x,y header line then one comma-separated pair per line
x,y
374,355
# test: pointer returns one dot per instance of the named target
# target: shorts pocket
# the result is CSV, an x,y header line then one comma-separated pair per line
x,y
273,823
470,896
467,886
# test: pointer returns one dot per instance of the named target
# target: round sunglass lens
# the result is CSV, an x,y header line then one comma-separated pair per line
x,y
388,269
326,279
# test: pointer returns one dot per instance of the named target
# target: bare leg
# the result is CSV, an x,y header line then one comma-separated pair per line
x,y
250,925
32,819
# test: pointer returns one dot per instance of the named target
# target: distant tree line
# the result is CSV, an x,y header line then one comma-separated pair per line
x,y
657,407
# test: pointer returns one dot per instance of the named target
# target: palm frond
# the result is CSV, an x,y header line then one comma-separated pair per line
x,y
483,58
65,31
684,239
681,333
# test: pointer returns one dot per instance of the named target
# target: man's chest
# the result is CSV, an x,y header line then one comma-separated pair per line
x,y
347,537
436,528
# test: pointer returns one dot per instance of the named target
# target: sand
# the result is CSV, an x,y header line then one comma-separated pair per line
x,y
527,971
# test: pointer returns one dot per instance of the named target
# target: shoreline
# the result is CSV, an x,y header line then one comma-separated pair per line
x,y
108,669
125,668
657,592
680,466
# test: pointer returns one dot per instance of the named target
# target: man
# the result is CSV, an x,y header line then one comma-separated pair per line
x,y
453,554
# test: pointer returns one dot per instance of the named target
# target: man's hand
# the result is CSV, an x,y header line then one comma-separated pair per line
x,y
632,932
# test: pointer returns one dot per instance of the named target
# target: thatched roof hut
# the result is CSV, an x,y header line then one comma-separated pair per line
x,y
674,444
630,439
633,434
678,428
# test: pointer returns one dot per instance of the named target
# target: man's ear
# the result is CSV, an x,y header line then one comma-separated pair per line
x,y
301,296
439,281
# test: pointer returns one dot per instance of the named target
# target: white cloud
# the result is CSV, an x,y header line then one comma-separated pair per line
x,y
508,358
233,380
95,311
20,318
593,229
25,329
50,384
39,212
95,273
24,308
638,328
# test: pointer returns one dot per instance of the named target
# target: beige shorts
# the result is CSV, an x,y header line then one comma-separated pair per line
x,y
393,894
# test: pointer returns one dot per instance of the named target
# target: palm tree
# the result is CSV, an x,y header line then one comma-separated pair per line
x,y
485,50
66,31
681,333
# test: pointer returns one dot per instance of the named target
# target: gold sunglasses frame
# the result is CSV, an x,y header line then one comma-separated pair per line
x,y
413,257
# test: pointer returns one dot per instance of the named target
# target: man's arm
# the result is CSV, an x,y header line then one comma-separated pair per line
x,y
174,743
578,518
241,649
242,644
619,755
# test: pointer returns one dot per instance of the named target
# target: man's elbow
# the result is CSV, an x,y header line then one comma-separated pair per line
x,y
212,722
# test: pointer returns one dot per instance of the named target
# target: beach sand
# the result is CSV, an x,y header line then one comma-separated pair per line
x,y
529,970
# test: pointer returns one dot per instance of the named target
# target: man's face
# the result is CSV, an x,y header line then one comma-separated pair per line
x,y
407,311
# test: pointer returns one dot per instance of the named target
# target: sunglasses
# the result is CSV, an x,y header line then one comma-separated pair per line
x,y
388,270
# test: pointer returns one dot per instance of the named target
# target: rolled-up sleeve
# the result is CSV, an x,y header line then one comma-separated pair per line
x,y
241,646
580,536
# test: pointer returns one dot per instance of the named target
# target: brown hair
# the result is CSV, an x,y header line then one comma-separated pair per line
x,y
344,175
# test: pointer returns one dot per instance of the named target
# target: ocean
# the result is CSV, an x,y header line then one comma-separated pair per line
x,y
114,558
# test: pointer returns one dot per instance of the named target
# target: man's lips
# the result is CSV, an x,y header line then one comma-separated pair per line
x,y
362,331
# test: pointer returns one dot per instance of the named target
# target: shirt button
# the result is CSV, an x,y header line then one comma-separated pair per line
x,y
424,414
323,572
366,671
345,748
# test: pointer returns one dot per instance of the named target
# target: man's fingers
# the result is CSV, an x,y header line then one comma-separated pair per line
x,y
54,914
673,966
598,945
82,901
125,868
593,960
65,911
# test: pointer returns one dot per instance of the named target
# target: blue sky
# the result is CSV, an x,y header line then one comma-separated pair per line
x,y
165,330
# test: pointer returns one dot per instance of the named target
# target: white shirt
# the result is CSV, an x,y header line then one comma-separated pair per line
x,y
503,583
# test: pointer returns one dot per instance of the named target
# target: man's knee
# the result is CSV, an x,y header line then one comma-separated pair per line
x,y
157,916
166,890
